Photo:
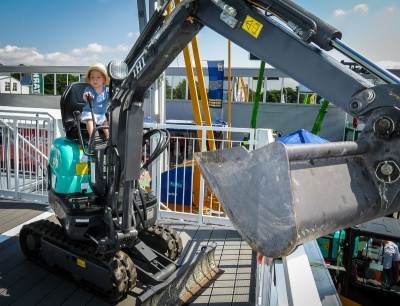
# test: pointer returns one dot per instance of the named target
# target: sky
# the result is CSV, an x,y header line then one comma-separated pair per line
x,y
81,32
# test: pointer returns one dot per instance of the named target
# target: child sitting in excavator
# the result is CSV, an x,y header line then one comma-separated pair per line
x,y
98,79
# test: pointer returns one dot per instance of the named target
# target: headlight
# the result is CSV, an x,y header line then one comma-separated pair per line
x,y
117,70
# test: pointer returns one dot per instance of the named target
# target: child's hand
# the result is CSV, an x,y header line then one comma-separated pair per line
x,y
88,95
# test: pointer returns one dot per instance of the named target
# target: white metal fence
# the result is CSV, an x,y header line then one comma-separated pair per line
x,y
25,140
174,177
181,190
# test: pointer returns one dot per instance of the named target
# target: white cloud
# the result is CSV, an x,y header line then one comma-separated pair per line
x,y
13,55
391,9
361,7
18,55
92,48
339,12
389,64
123,48
358,8
133,34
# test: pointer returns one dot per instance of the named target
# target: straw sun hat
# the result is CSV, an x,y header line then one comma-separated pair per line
x,y
99,67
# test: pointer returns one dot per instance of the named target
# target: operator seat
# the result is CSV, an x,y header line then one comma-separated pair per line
x,y
72,100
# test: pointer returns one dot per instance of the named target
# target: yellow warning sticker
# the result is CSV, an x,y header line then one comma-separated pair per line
x,y
81,263
252,26
82,169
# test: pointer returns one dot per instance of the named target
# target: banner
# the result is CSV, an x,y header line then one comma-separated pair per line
x,y
216,83
37,84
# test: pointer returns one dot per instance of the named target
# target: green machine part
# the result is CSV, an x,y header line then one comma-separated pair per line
x,y
329,245
338,240
69,168
324,244
320,117
253,123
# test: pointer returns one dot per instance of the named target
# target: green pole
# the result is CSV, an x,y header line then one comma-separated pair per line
x,y
320,117
253,123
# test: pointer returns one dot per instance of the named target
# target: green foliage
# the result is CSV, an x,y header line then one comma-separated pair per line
x,y
16,76
290,95
167,90
48,84
61,83
180,90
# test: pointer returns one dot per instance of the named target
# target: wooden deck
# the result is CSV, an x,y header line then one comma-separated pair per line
x,y
25,283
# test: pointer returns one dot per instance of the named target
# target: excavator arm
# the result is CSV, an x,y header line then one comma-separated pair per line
x,y
276,196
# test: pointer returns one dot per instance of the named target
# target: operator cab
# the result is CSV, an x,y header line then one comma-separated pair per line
x,y
70,102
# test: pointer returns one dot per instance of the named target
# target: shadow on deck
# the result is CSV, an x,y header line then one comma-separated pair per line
x,y
25,283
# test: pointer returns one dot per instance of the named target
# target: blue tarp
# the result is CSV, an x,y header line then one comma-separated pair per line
x,y
301,136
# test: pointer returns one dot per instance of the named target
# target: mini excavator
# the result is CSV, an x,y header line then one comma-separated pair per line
x,y
275,196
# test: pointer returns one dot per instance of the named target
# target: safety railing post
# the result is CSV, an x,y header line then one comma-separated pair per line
x,y
201,196
16,157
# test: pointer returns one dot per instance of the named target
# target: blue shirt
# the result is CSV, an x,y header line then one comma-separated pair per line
x,y
100,101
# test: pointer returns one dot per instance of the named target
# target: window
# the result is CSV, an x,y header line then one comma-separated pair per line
x,y
15,87
7,86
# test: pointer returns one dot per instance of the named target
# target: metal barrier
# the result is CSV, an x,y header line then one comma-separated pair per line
x,y
25,140
174,178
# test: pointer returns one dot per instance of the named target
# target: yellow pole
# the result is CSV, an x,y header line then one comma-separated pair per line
x,y
169,9
192,87
244,89
203,93
193,91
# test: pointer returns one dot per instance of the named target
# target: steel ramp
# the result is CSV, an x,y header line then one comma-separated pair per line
x,y
280,195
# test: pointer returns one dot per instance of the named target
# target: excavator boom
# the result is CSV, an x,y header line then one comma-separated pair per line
x,y
277,196
281,196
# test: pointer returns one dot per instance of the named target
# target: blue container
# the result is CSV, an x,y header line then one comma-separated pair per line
x,y
176,185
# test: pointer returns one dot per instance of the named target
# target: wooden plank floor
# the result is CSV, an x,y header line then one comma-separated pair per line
x,y
24,283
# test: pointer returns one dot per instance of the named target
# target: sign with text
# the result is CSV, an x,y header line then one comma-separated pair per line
x,y
216,83
37,84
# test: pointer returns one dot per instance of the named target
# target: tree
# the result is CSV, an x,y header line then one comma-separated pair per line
x,y
48,85
292,94
61,83
273,96
167,89
289,92
16,76
180,90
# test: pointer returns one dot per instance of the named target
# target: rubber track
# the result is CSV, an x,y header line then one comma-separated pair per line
x,y
122,269
170,243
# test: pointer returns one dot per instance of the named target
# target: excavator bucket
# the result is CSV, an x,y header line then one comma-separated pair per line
x,y
280,196
184,282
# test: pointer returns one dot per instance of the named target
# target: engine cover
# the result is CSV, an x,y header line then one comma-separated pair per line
x,y
69,168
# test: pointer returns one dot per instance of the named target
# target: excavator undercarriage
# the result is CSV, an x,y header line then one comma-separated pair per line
x,y
113,276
